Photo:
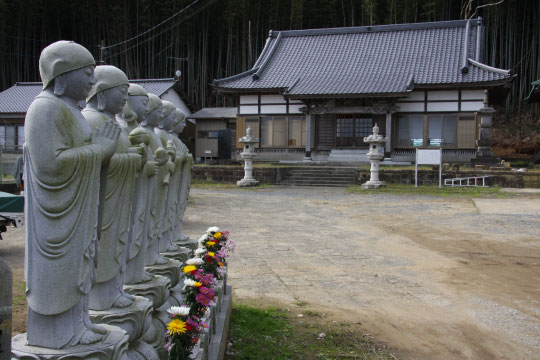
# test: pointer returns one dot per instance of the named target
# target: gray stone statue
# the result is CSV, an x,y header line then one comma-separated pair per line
x,y
185,180
63,159
156,193
106,99
136,108
134,113
167,123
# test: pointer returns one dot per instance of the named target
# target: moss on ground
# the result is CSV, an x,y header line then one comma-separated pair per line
x,y
275,334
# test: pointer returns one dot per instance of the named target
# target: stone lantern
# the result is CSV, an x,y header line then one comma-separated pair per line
x,y
248,155
375,154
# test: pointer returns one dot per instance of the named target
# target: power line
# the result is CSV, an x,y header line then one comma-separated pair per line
x,y
153,28
163,31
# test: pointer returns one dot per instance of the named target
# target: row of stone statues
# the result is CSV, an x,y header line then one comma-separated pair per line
x,y
106,190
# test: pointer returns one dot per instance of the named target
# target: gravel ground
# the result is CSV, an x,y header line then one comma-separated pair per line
x,y
434,278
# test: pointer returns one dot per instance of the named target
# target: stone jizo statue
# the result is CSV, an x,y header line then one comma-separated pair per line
x,y
63,160
136,108
156,197
106,99
167,123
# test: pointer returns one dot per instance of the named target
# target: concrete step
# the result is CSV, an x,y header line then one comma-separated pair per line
x,y
318,181
314,184
319,176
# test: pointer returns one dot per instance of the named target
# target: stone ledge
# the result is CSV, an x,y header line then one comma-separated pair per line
x,y
218,344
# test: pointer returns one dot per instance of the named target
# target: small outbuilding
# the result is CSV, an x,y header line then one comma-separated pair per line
x,y
216,133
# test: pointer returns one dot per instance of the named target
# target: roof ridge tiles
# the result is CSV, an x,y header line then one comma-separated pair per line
x,y
153,80
263,64
234,77
377,28
489,68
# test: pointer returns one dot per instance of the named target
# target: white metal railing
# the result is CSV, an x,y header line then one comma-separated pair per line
x,y
472,181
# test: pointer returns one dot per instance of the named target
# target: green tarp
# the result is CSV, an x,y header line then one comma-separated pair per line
x,y
10,203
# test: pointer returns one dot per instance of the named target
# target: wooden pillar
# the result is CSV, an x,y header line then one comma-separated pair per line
x,y
388,148
308,134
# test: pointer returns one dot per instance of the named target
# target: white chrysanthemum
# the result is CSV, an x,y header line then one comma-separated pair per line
x,y
179,310
194,261
212,230
200,251
189,282
202,239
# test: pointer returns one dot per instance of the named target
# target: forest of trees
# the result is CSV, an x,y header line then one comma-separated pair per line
x,y
210,39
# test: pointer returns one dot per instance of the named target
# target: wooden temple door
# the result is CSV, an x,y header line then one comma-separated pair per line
x,y
351,130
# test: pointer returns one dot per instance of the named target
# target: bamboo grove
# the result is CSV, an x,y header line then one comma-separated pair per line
x,y
209,39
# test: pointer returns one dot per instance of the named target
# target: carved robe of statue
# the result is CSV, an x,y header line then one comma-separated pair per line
x,y
108,97
134,113
63,160
167,123
185,179
158,191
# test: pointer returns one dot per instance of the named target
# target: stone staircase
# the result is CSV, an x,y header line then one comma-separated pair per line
x,y
317,176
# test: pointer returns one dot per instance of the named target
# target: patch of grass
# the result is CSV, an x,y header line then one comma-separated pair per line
x,y
225,186
19,296
433,190
273,334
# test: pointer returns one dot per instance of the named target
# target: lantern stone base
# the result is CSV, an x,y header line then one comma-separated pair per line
x,y
373,185
247,182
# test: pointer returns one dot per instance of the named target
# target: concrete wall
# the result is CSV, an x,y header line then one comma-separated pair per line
x,y
232,174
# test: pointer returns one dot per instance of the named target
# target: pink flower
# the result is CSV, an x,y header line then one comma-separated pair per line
x,y
169,345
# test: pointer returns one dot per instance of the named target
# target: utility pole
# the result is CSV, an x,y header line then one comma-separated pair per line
x,y
101,50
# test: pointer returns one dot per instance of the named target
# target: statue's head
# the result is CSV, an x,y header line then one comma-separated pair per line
x,y
110,90
169,116
69,67
137,105
155,107
180,121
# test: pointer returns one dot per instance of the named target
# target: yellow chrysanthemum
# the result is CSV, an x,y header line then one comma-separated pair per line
x,y
189,269
211,254
197,284
176,326
217,235
210,243
221,264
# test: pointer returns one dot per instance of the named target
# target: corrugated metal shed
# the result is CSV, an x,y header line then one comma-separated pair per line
x,y
370,60
155,86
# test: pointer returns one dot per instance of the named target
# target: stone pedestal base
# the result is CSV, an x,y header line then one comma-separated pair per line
x,y
373,185
156,290
181,254
135,320
188,243
170,269
113,347
247,182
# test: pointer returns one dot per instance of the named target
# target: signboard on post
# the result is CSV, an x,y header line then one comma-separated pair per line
x,y
428,157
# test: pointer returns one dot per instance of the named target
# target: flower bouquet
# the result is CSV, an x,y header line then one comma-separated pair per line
x,y
182,332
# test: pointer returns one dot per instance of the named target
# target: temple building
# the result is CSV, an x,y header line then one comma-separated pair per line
x,y
315,94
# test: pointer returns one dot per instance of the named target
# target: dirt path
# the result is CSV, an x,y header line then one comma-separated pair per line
x,y
434,278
